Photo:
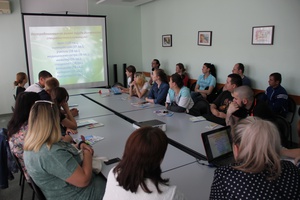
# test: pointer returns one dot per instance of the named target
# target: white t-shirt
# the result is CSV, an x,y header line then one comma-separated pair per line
x,y
115,192
128,81
34,88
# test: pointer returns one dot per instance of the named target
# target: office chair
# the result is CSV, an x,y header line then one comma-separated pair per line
x,y
37,190
292,106
284,129
259,95
22,178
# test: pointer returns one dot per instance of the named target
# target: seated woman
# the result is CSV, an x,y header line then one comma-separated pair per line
x,y
50,84
138,175
60,98
21,80
139,87
130,71
54,165
159,90
259,172
17,126
206,82
181,71
179,97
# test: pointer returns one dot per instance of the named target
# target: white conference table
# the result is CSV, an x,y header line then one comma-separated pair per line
x,y
179,128
119,103
72,92
115,132
193,180
87,108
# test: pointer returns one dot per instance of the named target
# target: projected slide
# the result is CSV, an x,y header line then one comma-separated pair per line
x,y
71,48
71,54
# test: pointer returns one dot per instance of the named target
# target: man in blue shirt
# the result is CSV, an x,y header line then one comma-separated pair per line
x,y
239,69
276,96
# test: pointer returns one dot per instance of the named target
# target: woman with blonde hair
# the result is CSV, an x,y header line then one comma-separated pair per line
x,y
54,165
21,80
258,173
139,87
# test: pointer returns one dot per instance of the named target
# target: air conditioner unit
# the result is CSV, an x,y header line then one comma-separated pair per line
x,y
4,7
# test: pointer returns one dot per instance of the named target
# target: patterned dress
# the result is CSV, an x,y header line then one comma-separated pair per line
x,y
16,143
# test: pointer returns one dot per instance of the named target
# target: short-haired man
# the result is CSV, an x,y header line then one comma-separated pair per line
x,y
155,65
244,104
276,96
239,69
219,107
37,87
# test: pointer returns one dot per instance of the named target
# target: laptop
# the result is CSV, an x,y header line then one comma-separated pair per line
x,y
218,148
116,90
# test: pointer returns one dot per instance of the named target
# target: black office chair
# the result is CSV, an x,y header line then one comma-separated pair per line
x,y
201,107
259,95
22,178
292,106
284,129
37,190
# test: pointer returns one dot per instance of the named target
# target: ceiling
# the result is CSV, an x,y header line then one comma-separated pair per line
x,y
122,2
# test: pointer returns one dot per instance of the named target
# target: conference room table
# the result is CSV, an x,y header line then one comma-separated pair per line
x,y
182,132
86,107
115,133
193,180
72,92
119,103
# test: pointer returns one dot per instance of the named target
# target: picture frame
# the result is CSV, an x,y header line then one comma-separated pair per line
x,y
263,35
167,40
204,38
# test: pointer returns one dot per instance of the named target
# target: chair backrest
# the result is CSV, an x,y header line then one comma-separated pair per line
x,y
192,86
201,107
284,129
292,106
37,190
259,95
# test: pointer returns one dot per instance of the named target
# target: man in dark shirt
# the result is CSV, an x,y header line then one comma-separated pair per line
x,y
276,96
244,104
219,107
239,69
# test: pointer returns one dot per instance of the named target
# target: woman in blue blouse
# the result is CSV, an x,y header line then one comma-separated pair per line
x,y
159,90
179,97
206,81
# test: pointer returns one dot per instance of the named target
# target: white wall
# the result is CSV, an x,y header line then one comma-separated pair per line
x,y
124,38
231,22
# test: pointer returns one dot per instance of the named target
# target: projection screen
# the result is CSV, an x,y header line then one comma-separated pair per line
x,y
72,48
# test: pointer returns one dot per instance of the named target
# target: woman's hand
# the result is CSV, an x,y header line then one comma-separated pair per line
x,y
87,147
72,131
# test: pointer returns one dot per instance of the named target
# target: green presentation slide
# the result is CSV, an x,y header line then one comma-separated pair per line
x,y
72,54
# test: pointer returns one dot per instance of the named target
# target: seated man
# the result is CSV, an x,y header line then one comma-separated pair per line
x,y
276,96
244,104
37,87
219,107
239,69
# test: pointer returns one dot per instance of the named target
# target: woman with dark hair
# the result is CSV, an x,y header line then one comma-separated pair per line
x,y
159,90
130,72
60,98
138,175
206,81
179,97
258,173
21,80
182,72
17,127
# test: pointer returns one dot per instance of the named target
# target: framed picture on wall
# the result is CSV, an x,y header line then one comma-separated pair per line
x,y
262,35
204,38
167,40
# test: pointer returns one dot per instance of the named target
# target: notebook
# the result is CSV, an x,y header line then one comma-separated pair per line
x,y
116,90
218,148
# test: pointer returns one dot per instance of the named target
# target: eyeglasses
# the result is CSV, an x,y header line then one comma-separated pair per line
x,y
44,101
